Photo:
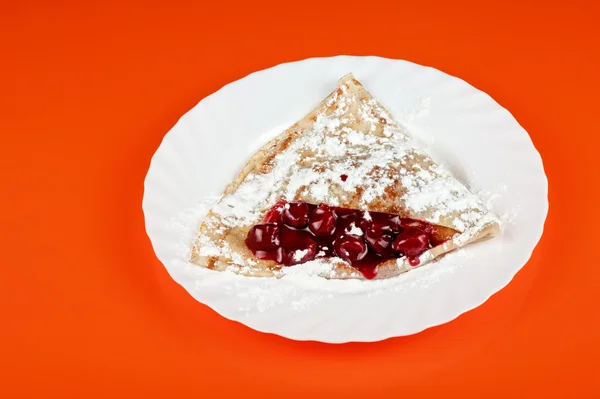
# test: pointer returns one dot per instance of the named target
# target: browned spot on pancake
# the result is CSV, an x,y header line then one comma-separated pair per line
x,y
392,173
210,264
391,193
392,207
319,168
266,168
307,152
313,118
375,172
443,233
285,143
305,161
300,194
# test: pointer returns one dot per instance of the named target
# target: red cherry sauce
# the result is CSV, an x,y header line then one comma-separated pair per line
x,y
297,232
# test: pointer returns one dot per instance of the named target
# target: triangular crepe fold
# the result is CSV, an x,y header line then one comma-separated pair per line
x,y
347,152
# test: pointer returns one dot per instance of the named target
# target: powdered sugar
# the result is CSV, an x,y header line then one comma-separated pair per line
x,y
299,254
355,230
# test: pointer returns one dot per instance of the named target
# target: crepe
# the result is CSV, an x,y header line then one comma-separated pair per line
x,y
350,135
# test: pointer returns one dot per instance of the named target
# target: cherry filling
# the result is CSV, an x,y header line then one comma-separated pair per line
x,y
322,221
295,214
297,246
263,237
351,248
298,232
411,242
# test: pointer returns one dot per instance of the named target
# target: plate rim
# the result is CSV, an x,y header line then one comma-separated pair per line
x,y
539,231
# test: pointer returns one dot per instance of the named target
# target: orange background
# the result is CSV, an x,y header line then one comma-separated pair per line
x,y
87,93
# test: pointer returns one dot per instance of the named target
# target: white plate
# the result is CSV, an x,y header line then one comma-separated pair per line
x,y
460,126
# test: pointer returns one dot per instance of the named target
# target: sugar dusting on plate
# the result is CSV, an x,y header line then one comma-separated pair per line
x,y
301,287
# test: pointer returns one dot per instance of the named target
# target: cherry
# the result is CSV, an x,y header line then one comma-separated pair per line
x,y
389,223
348,221
351,248
412,242
322,221
297,246
274,214
380,240
295,214
263,237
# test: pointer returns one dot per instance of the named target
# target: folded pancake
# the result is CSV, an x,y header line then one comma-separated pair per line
x,y
349,135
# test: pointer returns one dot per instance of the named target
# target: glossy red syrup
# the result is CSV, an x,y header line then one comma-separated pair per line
x,y
297,232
